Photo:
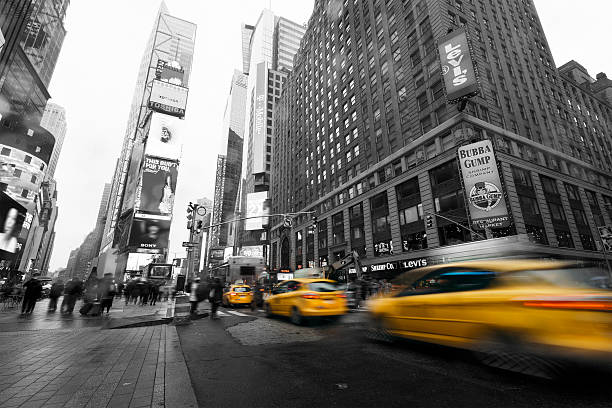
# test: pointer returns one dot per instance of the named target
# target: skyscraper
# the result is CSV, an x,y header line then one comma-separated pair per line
x,y
229,169
54,120
268,49
365,138
165,68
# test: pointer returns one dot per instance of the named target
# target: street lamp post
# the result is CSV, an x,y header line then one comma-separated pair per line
x,y
194,210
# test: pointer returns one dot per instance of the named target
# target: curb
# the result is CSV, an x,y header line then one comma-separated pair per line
x,y
177,382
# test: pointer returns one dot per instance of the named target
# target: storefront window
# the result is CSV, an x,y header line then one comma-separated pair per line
x,y
537,234
414,241
323,234
338,228
298,247
587,242
564,238
453,234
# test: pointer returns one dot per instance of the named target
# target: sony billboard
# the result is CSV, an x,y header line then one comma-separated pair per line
x,y
457,66
168,98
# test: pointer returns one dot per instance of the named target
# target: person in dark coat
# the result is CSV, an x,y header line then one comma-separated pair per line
x,y
72,290
56,291
106,292
144,289
33,292
120,288
129,291
154,294
216,295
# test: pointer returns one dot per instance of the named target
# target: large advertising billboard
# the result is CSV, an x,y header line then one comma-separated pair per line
x,y
260,110
170,72
157,186
133,176
165,137
256,207
483,187
29,138
168,98
457,66
149,233
12,216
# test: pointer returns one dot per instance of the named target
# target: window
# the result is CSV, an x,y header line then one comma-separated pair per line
x,y
28,159
572,192
522,176
451,280
24,193
17,173
549,185
5,151
556,212
411,214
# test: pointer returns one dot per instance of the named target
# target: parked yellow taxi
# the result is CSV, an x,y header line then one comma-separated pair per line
x,y
537,308
238,295
305,298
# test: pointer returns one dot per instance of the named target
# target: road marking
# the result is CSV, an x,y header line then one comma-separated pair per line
x,y
236,313
260,310
220,313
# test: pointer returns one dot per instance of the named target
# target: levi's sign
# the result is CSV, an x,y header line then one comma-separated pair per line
x,y
483,186
457,67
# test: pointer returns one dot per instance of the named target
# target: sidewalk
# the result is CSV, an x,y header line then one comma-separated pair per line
x,y
138,367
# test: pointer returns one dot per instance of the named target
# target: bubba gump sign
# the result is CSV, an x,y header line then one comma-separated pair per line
x,y
483,187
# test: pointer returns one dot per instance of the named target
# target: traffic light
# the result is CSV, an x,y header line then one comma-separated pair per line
x,y
199,226
314,222
429,221
189,217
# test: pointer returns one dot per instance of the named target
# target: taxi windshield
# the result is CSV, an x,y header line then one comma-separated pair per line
x,y
243,289
324,286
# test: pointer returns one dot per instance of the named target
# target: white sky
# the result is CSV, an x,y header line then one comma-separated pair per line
x,y
96,73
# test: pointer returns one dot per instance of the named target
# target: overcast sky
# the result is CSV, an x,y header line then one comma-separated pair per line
x,y
96,73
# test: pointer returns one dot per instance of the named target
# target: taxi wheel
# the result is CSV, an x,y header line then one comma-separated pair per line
x,y
296,317
267,309
378,332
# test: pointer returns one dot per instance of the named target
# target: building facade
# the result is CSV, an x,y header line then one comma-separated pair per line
x,y
365,138
268,50
54,120
166,64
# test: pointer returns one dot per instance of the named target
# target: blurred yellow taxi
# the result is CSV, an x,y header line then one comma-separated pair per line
x,y
238,295
306,297
544,308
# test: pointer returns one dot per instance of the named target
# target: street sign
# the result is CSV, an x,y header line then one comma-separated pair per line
x,y
287,223
189,244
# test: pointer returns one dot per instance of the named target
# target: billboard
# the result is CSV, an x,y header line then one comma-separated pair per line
x,y
457,66
158,186
12,216
255,208
133,176
168,98
165,137
605,233
170,72
29,138
483,188
148,233
260,120
252,250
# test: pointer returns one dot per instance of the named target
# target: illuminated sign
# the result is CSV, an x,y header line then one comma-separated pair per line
x,y
458,70
483,186
168,98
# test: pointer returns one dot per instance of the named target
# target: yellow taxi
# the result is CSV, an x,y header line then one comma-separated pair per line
x,y
306,297
499,307
238,295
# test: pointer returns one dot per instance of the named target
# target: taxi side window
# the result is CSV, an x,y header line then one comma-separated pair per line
x,y
281,288
291,286
451,280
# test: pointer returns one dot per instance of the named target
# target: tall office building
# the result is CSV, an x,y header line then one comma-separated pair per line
x,y
54,120
268,50
229,168
365,138
26,69
160,96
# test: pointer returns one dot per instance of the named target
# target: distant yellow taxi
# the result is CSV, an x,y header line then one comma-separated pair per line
x,y
544,308
238,295
306,297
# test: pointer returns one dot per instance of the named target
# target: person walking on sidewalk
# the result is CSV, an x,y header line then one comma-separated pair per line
x,y
72,291
145,289
56,291
106,292
215,297
33,291
193,296
154,294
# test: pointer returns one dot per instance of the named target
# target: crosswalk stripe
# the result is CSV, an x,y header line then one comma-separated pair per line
x,y
260,310
236,313
220,313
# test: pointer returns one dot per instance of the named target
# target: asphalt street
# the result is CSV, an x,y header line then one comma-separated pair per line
x,y
247,360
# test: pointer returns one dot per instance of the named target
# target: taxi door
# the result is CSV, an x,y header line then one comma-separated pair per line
x,y
276,298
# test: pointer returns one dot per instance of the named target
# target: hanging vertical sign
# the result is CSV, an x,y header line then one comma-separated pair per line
x,y
483,188
457,66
